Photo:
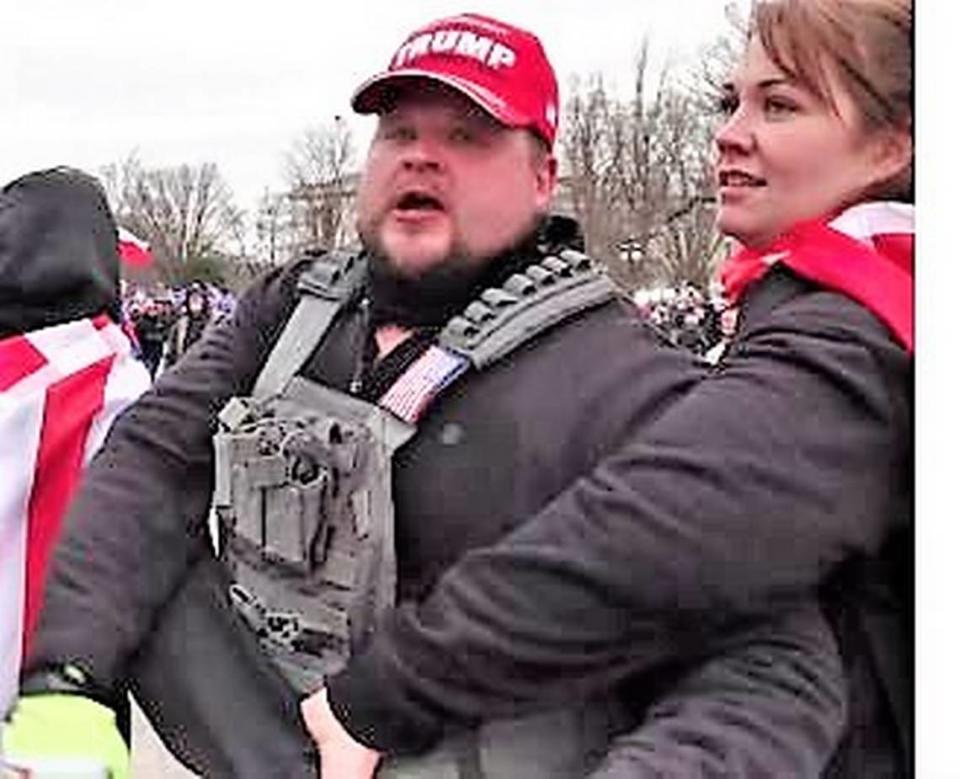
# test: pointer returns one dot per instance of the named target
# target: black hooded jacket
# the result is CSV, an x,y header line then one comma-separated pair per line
x,y
58,251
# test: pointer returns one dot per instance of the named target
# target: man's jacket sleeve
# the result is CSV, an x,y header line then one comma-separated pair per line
x,y
740,496
141,513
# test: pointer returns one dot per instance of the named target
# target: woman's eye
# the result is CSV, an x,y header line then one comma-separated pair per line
x,y
778,106
726,105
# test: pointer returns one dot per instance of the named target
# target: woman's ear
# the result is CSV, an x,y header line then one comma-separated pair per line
x,y
893,153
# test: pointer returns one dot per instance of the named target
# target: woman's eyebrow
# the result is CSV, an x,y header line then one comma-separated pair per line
x,y
775,82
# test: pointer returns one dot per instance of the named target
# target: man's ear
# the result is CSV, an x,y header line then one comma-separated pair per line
x,y
545,171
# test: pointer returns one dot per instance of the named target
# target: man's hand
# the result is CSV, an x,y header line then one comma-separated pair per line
x,y
340,756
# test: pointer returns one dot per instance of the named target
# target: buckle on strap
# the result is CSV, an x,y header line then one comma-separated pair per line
x,y
289,629
283,628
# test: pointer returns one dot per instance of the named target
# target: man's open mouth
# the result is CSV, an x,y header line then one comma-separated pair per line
x,y
416,201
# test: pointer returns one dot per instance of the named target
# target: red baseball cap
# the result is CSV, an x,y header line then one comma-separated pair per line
x,y
502,68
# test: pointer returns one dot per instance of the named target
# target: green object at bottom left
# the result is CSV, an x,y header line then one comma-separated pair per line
x,y
64,736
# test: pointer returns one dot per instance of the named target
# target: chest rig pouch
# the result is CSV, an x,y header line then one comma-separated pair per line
x,y
302,497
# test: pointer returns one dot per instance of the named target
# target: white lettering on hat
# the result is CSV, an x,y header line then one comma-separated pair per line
x,y
419,46
475,46
461,42
502,55
444,40
412,49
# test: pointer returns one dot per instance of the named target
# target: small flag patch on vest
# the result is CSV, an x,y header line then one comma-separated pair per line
x,y
410,395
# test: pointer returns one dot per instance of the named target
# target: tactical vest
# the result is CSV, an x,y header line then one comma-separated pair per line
x,y
303,500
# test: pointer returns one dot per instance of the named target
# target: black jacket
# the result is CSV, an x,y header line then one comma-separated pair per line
x,y
499,447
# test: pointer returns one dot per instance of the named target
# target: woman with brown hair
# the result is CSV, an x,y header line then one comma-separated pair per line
x,y
789,468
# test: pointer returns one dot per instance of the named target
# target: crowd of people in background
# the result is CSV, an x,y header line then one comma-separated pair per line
x,y
685,316
165,321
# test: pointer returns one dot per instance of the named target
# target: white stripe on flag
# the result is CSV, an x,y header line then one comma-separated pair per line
x,y
869,219
125,235
20,437
128,379
71,347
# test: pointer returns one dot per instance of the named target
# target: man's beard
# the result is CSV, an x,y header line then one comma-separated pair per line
x,y
431,296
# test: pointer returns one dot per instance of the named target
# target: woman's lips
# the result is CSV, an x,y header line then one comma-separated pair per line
x,y
738,178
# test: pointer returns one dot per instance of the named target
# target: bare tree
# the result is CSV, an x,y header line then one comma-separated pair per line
x,y
638,173
185,212
590,162
319,169
274,228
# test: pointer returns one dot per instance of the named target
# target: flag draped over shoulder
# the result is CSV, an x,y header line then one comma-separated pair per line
x,y
866,252
61,387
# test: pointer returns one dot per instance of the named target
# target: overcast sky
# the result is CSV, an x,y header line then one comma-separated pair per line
x,y
86,82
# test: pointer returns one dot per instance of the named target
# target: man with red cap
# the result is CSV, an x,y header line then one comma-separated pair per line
x,y
381,416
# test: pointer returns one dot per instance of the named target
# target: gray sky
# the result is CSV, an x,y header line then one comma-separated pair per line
x,y
85,82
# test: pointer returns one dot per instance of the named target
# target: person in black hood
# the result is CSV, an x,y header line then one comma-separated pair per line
x,y
151,328
58,251
67,370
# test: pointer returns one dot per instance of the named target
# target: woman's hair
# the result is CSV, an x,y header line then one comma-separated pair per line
x,y
868,45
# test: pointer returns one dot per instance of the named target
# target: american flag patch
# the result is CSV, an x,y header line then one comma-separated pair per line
x,y
410,395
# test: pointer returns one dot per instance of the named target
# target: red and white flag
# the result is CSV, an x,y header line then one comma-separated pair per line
x,y
60,390
866,253
133,251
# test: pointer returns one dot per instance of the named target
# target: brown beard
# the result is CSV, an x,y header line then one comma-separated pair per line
x,y
369,232
433,295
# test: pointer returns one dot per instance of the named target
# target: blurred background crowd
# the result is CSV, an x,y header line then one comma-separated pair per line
x,y
165,321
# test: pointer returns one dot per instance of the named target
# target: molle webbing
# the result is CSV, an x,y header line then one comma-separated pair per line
x,y
497,322
547,292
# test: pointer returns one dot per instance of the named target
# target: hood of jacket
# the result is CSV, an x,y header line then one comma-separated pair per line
x,y
58,251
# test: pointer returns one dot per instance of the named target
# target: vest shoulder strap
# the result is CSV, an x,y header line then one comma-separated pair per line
x,y
496,323
548,292
324,288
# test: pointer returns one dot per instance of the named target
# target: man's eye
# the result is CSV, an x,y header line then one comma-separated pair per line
x,y
462,135
397,132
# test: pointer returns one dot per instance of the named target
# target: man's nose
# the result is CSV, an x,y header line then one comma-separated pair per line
x,y
422,155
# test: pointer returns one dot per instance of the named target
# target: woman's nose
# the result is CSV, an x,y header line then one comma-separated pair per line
x,y
735,134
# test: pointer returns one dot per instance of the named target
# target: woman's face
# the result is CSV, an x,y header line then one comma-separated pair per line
x,y
784,155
